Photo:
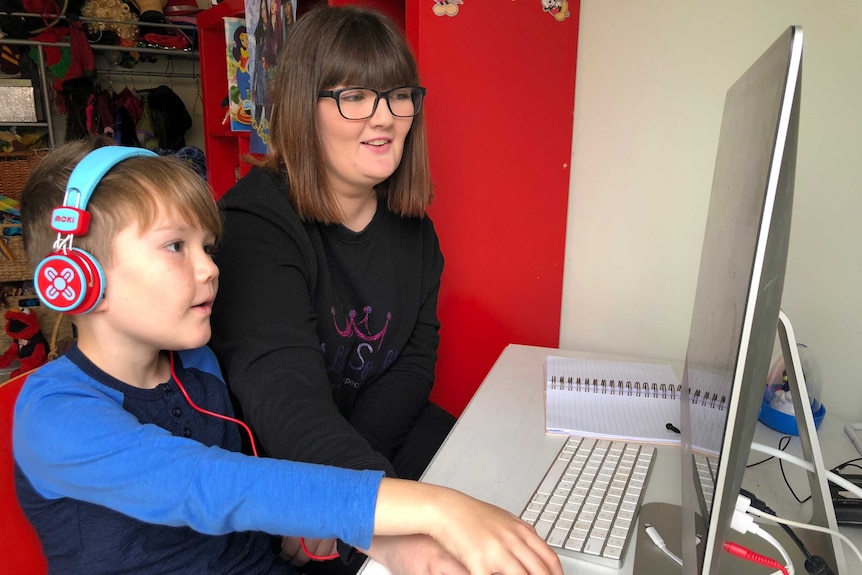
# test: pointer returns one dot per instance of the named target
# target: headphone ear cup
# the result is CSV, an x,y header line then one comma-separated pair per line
x,y
70,282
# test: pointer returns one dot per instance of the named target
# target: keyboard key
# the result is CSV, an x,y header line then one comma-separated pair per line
x,y
574,544
557,537
543,528
529,516
594,546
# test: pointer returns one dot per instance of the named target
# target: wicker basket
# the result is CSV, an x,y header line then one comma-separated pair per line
x,y
19,268
15,169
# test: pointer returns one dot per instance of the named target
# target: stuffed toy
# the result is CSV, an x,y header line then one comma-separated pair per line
x,y
28,343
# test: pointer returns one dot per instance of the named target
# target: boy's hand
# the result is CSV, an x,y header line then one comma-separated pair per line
x,y
487,539
484,538
414,555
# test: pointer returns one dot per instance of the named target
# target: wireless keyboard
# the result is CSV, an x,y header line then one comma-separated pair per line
x,y
587,503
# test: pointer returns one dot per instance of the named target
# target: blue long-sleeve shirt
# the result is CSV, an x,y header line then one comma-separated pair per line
x,y
120,479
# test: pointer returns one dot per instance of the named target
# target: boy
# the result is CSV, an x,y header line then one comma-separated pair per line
x,y
127,459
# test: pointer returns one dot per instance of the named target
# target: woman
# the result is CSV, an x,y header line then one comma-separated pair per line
x,y
326,322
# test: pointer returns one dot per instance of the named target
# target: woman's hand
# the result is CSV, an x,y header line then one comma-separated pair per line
x,y
414,555
292,551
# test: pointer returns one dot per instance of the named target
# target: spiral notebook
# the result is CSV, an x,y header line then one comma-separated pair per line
x,y
627,401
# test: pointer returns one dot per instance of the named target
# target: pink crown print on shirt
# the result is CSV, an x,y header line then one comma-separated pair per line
x,y
354,328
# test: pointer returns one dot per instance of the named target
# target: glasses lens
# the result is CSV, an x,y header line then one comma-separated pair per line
x,y
356,104
405,102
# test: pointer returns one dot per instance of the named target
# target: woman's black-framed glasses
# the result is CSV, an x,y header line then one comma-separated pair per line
x,y
361,103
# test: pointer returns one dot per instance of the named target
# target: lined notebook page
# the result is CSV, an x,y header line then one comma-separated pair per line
x,y
614,400
631,401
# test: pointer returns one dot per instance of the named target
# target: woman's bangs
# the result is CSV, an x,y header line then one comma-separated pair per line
x,y
372,64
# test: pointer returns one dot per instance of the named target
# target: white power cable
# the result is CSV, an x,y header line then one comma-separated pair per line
x,y
808,526
788,564
744,523
659,542
833,477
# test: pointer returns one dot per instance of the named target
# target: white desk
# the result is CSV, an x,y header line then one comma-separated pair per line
x,y
498,452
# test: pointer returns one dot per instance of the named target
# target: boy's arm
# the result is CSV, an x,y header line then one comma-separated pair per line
x,y
76,441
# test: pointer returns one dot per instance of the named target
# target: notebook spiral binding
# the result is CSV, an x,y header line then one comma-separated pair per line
x,y
637,389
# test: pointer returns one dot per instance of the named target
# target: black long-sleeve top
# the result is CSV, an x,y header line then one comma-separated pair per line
x,y
327,337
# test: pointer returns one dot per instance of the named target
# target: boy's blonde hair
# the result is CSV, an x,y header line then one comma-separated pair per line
x,y
138,190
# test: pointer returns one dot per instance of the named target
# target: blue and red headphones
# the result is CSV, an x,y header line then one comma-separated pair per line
x,y
69,279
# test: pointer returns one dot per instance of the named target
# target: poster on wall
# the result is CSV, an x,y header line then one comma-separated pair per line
x,y
238,78
267,22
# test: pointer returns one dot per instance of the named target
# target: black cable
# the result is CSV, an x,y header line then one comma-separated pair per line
x,y
816,565
785,439
771,457
787,482
849,463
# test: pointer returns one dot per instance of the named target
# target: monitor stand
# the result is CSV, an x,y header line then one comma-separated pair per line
x,y
666,517
823,513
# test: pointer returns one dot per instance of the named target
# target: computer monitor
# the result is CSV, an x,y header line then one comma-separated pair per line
x,y
741,277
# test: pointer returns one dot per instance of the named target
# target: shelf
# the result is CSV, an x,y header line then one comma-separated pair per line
x,y
167,52
140,47
40,46
24,124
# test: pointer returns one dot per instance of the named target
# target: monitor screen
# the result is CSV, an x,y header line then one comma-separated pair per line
x,y
740,282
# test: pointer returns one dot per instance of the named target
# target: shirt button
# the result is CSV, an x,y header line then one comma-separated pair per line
x,y
177,411
187,432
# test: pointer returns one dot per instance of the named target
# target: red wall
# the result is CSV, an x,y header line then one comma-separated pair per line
x,y
501,80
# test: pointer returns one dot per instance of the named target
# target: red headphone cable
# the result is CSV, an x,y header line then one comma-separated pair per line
x,y
206,411
242,424
749,555
314,557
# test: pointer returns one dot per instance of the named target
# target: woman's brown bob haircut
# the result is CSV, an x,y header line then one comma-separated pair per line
x,y
346,46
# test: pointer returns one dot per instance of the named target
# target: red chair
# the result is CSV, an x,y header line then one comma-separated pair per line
x,y
20,550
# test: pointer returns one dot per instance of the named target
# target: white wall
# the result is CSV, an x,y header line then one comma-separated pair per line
x,y
651,81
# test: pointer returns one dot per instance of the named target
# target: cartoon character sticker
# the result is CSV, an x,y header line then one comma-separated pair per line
x,y
559,9
446,7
